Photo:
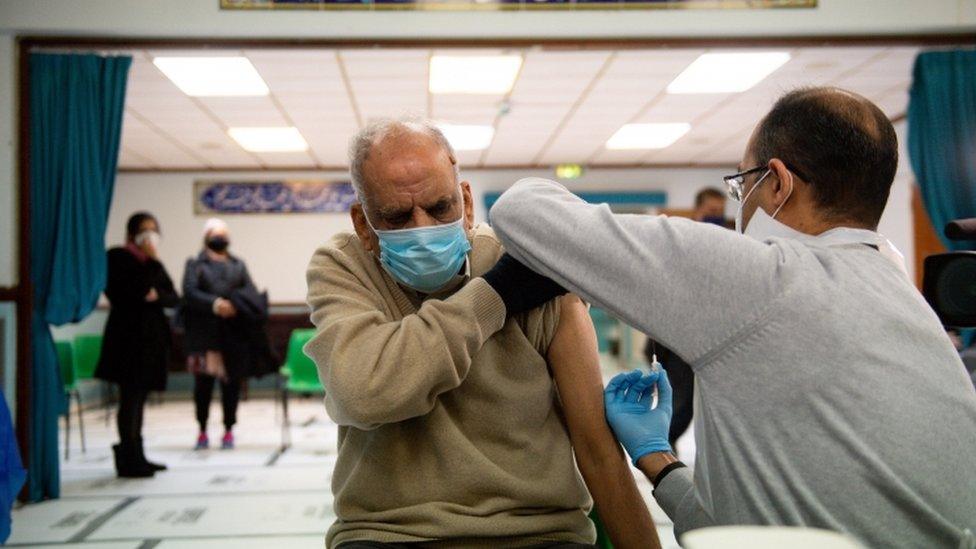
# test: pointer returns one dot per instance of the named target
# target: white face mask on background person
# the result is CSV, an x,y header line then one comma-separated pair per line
x,y
151,238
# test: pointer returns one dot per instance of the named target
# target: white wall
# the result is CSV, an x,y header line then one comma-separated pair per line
x,y
181,18
897,223
277,247
8,172
202,18
8,212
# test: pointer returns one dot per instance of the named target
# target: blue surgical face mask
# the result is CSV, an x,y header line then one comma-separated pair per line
x,y
424,258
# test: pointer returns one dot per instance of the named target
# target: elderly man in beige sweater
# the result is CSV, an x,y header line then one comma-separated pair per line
x,y
461,397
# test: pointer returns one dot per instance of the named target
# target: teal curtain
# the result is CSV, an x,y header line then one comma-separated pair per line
x,y
942,136
76,104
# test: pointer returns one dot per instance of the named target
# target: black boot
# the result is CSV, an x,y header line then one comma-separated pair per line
x,y
142,458
128,464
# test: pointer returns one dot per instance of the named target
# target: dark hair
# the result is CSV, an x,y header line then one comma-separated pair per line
x,y
706,193
135,221
839,143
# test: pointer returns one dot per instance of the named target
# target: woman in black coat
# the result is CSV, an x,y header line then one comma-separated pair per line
x,y
136,343
215,330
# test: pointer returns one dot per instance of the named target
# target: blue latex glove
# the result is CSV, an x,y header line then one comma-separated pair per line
x,y
640,428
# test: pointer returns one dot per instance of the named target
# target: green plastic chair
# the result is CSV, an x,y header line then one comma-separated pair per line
x,y
66,360
86,350
297,375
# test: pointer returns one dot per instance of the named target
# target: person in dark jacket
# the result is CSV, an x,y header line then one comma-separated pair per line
x,y
136,342
212,282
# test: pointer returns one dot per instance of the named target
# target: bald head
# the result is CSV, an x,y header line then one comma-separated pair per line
x,y
406,176
839,143
391,146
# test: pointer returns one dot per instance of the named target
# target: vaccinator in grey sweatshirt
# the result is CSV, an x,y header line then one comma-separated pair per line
x,y
828,393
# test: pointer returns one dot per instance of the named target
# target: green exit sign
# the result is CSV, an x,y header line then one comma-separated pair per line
x,y
569,171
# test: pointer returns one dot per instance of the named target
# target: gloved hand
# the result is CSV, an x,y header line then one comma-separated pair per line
x,y
640,428
521,288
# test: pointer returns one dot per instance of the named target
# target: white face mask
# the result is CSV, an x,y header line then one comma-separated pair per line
x,y
147,237
738,214
762,227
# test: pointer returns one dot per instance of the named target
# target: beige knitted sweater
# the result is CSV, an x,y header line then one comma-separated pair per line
x,y
450,430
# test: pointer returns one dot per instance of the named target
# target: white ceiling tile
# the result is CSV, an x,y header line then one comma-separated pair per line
x,y
196,52
607,156
510,157
391,111
682,108
469,159
670,155
622,86
894,104
287,159
163,153
128,159
390,55
245,111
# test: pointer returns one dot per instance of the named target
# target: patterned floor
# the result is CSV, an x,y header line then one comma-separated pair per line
x,y
252,496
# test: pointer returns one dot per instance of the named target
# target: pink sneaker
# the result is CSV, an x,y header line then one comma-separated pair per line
x,y
227,443
203,442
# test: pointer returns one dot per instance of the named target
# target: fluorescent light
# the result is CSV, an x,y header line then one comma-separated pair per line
x,y
213,76
474,75
647,136
727,72
468,138
269,139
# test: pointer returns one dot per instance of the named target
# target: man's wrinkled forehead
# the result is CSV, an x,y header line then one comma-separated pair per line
x,y
407,162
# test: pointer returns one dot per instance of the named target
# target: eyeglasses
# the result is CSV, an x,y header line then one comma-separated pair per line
x,y
735,183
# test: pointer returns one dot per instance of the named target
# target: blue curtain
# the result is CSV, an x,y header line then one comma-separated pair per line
x,y
942,136
12,474
76,104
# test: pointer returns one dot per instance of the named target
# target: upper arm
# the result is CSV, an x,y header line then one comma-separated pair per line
x,y
192,293
189,277
246,281
574,360
164,285
653,272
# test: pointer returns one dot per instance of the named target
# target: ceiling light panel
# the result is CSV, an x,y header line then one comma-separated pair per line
x,y
269,139
482,75
213,76
647,136
727,72
468,138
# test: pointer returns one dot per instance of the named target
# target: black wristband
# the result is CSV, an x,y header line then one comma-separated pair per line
x,y
664,472
520,288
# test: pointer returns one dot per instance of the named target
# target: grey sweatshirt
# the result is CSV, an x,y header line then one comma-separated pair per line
x,y
828,394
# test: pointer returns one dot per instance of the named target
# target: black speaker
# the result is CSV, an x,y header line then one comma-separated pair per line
x,y
949,285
